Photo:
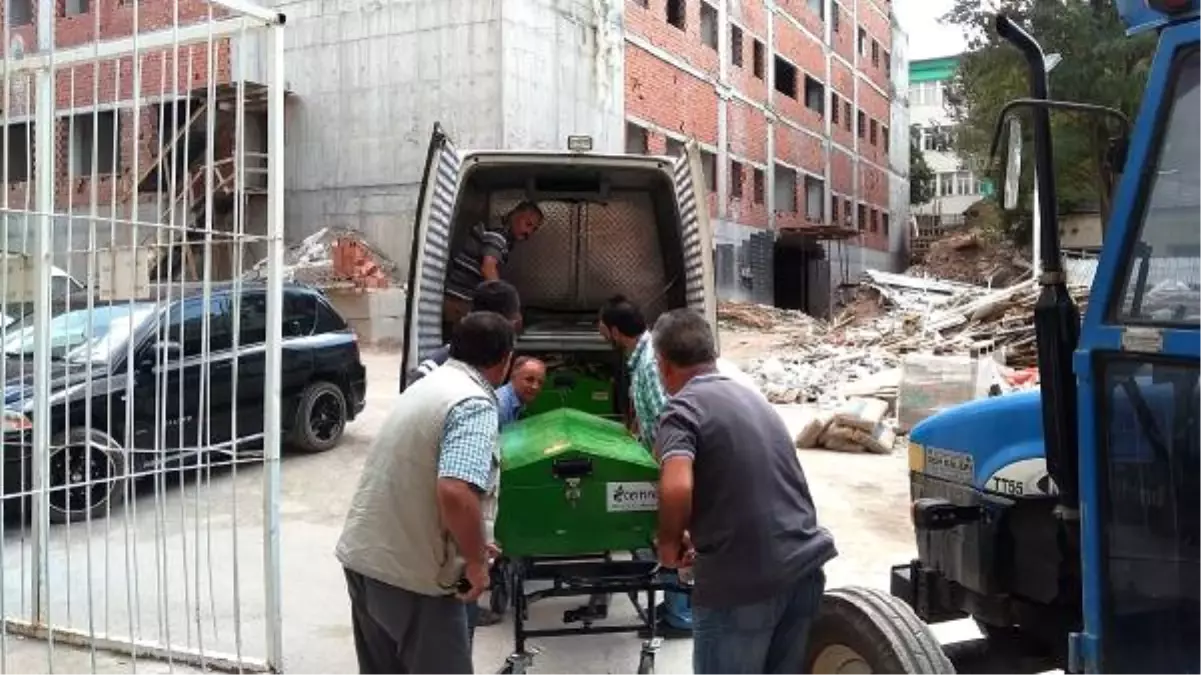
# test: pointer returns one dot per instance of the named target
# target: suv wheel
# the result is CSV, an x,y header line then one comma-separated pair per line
x,y
320,418
87,476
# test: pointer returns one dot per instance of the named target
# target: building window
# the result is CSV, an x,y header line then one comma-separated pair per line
x,y
815,194
736,46
835,17
848,117
709,25
818,8
834,108
785,78
946,184
757,180
757,59
75,7
643,3
884,137
862,41
835,213
875,54
675,13
636,142
100,130
872,225
709,168
873,130
735,179
674,148
862,124
20,12
887,61
784,189
862,213
846,212
884,223
18,147
964,185
815,95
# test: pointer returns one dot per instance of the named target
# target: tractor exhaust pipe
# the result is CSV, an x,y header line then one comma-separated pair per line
x,y
1056,317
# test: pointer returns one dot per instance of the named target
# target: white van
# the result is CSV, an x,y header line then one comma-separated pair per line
x,y
628,224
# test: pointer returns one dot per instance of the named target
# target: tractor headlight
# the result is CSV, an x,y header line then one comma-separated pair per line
x,y
11,420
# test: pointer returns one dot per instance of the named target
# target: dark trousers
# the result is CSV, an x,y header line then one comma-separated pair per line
x,y
763,637
398,631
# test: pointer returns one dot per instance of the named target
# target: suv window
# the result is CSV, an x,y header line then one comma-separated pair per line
x,y
253,327
328,320
300,314
185,325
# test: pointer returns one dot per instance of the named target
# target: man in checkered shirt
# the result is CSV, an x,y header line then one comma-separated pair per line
x,y
432,470
623,325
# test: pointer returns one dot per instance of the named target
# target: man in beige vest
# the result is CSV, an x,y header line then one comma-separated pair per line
x,y
417,523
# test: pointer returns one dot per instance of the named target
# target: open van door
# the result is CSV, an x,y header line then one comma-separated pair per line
x,y
697,234
431,251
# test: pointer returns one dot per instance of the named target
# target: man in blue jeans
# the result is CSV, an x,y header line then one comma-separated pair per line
x,y
734,503
621,323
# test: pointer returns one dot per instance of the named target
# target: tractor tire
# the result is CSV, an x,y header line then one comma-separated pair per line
x,y
863,630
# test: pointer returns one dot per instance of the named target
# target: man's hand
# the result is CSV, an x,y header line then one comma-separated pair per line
x,y
477,575
676,556
493,551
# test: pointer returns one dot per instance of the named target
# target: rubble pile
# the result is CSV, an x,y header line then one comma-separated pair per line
x,y
893,329
744,316
973,257
336,257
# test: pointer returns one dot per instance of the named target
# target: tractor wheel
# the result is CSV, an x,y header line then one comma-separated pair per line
x,y
863,630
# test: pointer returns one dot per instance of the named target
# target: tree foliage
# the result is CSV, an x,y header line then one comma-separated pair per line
x,y
921,176
1100,65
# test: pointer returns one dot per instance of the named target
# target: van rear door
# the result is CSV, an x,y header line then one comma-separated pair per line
x,y
696,233
431,251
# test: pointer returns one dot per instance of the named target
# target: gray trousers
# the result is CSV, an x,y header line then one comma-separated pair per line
x,y
398,631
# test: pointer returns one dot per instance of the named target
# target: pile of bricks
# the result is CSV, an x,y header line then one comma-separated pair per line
x,y
356,263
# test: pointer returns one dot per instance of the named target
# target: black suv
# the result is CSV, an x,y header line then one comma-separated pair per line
x,y
157,401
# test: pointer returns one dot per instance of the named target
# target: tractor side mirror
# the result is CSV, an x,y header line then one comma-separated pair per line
x,y
1013,164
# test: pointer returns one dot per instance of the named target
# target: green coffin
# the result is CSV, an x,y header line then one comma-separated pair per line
x,y
574,483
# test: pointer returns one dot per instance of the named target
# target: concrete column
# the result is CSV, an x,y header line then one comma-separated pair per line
x,y
723,97
769,69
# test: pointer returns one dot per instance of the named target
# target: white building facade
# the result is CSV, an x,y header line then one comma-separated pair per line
x,y
956,186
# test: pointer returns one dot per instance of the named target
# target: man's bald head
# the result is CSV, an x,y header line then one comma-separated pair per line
x,y
527,377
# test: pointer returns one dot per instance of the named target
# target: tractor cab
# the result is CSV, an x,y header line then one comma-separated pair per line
x,y
1066,521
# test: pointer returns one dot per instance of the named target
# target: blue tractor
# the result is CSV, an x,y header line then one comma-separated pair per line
x,y
1065,521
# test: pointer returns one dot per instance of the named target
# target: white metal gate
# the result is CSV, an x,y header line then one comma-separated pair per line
x,y
141,175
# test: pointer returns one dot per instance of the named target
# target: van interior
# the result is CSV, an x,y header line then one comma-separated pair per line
x,y
606,230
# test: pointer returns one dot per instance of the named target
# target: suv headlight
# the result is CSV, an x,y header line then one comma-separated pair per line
x,y
11,420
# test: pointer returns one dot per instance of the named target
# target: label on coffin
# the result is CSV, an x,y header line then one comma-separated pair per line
x,y
631,496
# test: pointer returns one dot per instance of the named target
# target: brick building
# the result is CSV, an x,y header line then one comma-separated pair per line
x,y
791,102
117,137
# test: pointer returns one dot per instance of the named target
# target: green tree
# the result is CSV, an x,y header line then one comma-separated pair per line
x,y
921,176
1100,66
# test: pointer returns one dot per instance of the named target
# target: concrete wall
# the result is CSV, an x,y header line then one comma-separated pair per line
x,y
371,79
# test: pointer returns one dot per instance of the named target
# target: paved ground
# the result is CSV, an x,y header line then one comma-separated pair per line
x,y
863,500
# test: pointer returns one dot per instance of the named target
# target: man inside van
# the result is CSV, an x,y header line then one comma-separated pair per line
x,y
418,522
490,296
483,253
623,326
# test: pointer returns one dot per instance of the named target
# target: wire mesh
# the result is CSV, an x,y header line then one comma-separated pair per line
x,y
140,444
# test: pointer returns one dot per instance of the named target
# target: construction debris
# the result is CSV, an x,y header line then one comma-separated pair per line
x,y
905,345
336,258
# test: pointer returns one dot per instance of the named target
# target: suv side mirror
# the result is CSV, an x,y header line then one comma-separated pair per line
x,y
166,350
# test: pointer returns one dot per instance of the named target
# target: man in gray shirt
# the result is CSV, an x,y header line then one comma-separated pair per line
x,y
734,503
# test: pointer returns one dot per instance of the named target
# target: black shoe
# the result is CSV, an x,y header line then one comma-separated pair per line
x,y
487,617
665,630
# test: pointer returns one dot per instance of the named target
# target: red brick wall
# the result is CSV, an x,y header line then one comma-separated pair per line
x,y
111,81
669,97
687,106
